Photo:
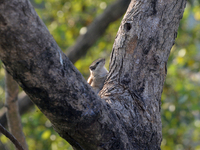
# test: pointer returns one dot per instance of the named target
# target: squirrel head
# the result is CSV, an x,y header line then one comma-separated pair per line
x,y
97,65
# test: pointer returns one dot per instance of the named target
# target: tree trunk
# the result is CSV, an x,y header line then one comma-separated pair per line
x,y
24,104
14,119
138,68
128,115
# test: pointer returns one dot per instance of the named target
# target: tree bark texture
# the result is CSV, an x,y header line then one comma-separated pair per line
x,y
14,119
138,68
128,115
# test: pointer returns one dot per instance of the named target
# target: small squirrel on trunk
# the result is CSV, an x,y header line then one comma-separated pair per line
x,y
98,74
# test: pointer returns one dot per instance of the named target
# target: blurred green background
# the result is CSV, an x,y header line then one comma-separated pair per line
x,y
66,19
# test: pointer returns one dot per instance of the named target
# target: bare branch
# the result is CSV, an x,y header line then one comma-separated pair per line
x,y
11,137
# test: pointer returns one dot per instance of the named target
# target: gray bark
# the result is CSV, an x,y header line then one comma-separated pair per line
x,y
128,115
138,68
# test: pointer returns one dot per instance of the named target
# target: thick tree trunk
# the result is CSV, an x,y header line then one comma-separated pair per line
x,y
138,68
128,115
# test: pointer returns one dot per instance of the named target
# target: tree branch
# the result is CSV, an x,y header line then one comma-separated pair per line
x,y
96,29
11,137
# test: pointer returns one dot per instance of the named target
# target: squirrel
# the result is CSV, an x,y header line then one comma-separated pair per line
x,y
98,74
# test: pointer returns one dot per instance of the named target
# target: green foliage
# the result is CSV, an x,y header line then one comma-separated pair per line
x,y
39,133
64,19
101,49
181,93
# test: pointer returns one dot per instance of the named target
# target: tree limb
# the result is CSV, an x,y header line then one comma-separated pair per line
x,y
11,137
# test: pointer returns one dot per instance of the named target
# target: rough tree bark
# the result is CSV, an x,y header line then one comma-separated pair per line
x,y
127,116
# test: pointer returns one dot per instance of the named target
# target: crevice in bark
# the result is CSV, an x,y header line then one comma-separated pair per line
x,y
127,26
153,5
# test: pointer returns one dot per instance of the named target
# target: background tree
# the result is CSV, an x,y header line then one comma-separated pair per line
x,y
14,120
177,127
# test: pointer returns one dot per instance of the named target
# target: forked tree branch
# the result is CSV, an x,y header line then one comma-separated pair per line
x,y
128,115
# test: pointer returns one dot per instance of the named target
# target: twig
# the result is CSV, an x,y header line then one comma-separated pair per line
x,y
11,137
